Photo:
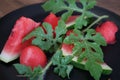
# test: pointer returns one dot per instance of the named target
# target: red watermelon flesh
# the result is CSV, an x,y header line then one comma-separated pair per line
x,y
14,44
71,21
67,48
108,30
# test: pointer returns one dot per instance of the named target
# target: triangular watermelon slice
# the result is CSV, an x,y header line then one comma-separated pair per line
x,y
13,46
67,50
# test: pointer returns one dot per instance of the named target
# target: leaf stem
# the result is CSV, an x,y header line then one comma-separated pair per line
x,y
45,69
96,21
79,10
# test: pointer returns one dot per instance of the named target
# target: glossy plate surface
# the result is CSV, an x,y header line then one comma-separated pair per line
x,y
112,52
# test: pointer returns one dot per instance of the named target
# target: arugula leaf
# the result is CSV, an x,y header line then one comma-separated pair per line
x,y
62,64
47,41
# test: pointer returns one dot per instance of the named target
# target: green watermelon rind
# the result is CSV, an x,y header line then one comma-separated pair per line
x,y
5,57
81,65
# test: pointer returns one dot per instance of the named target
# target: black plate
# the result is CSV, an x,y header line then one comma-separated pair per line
x,y
112,52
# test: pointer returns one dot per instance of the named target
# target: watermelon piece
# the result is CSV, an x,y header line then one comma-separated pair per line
x,y
108,30
52,19
67,50
71,21
81,65
13,45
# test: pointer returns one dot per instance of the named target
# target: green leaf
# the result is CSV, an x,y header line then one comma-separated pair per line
x,y
74,37
57,57
54,5
49,5
44,40
66,15
81,21
37,72
83,2
88,15
33,33
92,35
82,56
88,4
72,5
91,4
69,69
28,72
62,71
87,47
62,64
71,2
20,68
94,68
67,59
60,30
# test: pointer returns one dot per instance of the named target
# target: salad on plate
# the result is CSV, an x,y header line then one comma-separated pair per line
x,y
65,42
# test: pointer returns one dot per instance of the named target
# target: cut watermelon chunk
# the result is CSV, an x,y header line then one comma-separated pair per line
x,y
108,30
71,21
14,44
